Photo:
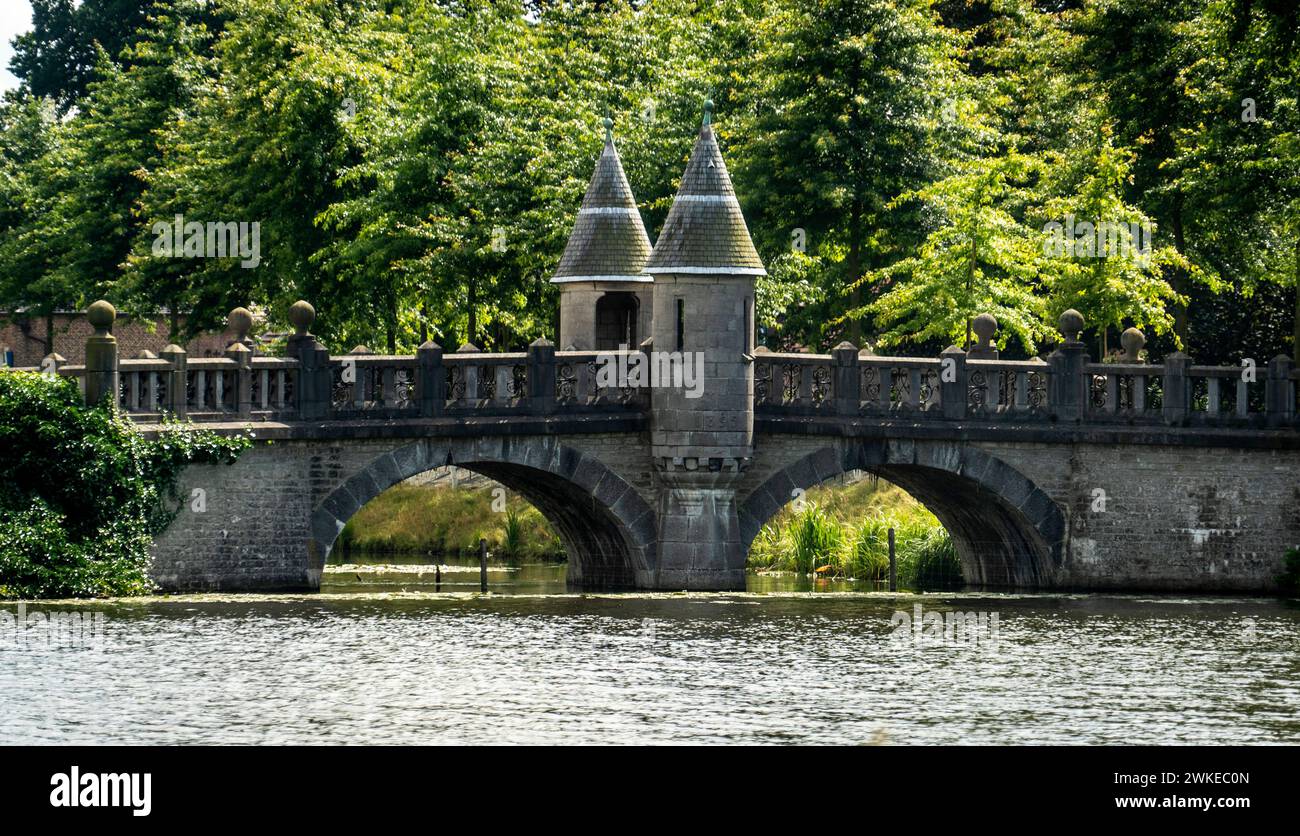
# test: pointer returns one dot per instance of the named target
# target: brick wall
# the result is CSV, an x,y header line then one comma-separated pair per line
x,y
26,338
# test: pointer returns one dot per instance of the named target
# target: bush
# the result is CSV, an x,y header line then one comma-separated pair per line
x,y
82,493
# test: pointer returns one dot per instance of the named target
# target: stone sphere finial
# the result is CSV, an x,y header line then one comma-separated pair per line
x,y
301,316
101,315
984,326
1071,323
241,322
1133,340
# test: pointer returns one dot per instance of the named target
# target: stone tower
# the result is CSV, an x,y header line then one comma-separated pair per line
x,y
605,298
704,267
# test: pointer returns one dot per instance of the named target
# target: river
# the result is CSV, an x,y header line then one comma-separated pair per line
x,y
386,656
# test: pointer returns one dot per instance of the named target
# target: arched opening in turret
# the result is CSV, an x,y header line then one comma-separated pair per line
x,y
616,320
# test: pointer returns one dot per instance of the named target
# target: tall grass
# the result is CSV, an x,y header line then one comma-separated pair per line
x,y
449,521
844,532
815,540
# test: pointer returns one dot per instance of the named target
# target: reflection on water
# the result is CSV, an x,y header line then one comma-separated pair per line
x,y
381,657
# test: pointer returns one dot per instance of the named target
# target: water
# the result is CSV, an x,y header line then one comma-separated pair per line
x,y
384,658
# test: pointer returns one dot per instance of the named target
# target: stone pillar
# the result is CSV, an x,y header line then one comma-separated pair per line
x,y
1278,396
1177,389
952,382
243,398
312,389
848,381
1068,387
699,528
177,398
431,379
101,356
541,376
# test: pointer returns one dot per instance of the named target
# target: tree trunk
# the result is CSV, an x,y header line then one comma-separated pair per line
x,y
472,330
49,333
1295,322
970,276
424,323
855,269
1180,283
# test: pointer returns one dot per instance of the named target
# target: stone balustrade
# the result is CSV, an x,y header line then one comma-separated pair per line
x,y
308,383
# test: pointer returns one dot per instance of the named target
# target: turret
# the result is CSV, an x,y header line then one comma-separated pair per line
x,y
605,297
704,266
702,436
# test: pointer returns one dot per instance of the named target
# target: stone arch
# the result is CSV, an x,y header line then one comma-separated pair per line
x,y
608,530
1007,531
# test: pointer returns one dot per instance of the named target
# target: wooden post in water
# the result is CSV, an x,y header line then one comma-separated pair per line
x,y
893,564
482,565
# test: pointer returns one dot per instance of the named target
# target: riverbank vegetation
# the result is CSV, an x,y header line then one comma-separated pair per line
x,y
83,492
839,531
843,532
449,521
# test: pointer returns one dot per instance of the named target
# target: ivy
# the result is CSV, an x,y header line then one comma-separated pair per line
x,y
83,493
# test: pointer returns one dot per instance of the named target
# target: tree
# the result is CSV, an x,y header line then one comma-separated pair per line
x,y
1240,156
1108,268
979,257
1134,56
59,57
848,97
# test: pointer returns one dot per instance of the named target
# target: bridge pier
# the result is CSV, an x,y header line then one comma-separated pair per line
x,y
700,545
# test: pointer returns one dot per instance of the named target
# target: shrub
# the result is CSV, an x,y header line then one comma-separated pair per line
x,y
82,493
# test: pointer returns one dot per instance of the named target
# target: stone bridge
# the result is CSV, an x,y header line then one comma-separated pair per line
x,y
1049,474
1056,474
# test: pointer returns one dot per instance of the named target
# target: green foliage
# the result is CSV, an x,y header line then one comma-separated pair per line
x,y
415,166
815,540
844,532
1289,580
83,493
980,258
848,100
932,562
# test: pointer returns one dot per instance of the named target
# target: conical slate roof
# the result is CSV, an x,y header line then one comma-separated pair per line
x,y
705,231
608,242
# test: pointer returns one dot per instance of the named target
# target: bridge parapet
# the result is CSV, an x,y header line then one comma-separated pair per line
x,y
1066,388
311,384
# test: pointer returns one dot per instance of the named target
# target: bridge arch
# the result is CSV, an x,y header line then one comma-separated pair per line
x,y
608,530
1007,532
